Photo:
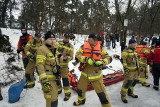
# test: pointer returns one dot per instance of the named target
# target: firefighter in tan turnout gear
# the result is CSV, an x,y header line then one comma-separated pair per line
x,y
47,63
130,65
66,50
93,57
143,51
30,51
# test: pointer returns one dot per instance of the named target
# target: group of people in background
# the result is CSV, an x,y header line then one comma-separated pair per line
x,y
50,58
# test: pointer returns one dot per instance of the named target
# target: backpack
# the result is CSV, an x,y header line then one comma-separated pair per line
x,y
15,91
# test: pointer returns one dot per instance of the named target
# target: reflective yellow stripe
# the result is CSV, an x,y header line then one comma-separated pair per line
x,y
40,58
28,44
124,64
143,80
124,90
67,91
50,76
28,53
42,76
51,58
80,98
48,96
132,68
92,77
30,83
132,88
95,77
63,63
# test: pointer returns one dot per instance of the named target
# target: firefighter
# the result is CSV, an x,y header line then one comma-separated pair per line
x,y
30,51
155,57
143,51
1,98
66,50
130,65
22,43
93,57
47,62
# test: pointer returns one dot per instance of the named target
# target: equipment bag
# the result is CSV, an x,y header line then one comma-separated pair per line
x,y
15,90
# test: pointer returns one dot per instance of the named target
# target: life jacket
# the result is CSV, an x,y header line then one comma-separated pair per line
x,y
139,50
94,52
72,79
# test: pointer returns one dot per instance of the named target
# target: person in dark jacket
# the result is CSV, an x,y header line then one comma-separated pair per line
x,y
1,98
113,41
155,57
123,46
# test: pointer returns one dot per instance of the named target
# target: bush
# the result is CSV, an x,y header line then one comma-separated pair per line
x,y
5,45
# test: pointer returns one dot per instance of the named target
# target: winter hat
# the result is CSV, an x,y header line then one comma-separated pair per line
x,y
67,35
49,34
144,42
132,41
23,28
92,36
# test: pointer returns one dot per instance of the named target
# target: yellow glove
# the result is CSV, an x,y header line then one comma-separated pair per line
x,y
126,71
91,61
99,63
46,86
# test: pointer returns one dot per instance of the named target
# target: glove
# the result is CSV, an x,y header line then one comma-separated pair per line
x,y
59,55
126,71
32,57
116,56
57,71
99,63
46,86
19,50
90,61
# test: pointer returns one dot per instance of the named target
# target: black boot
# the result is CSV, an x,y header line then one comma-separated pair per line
x,y
123,98
1,98
130,93
54,104
79,102
67,96
156,88
145,84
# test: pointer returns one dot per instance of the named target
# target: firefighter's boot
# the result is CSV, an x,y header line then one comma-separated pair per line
x,y
123,98
79,102
67,96
29,84
130,93
145,84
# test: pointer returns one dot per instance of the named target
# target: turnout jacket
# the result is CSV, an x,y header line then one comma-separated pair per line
x,y
46,60
31,47
130,60
92,72
66,49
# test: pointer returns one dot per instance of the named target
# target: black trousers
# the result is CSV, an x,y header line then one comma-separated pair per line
x,y
156,69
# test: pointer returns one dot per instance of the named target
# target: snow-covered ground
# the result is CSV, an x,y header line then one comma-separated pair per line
x,y
34,97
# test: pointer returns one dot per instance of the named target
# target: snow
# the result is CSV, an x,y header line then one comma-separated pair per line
x,y
34,97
